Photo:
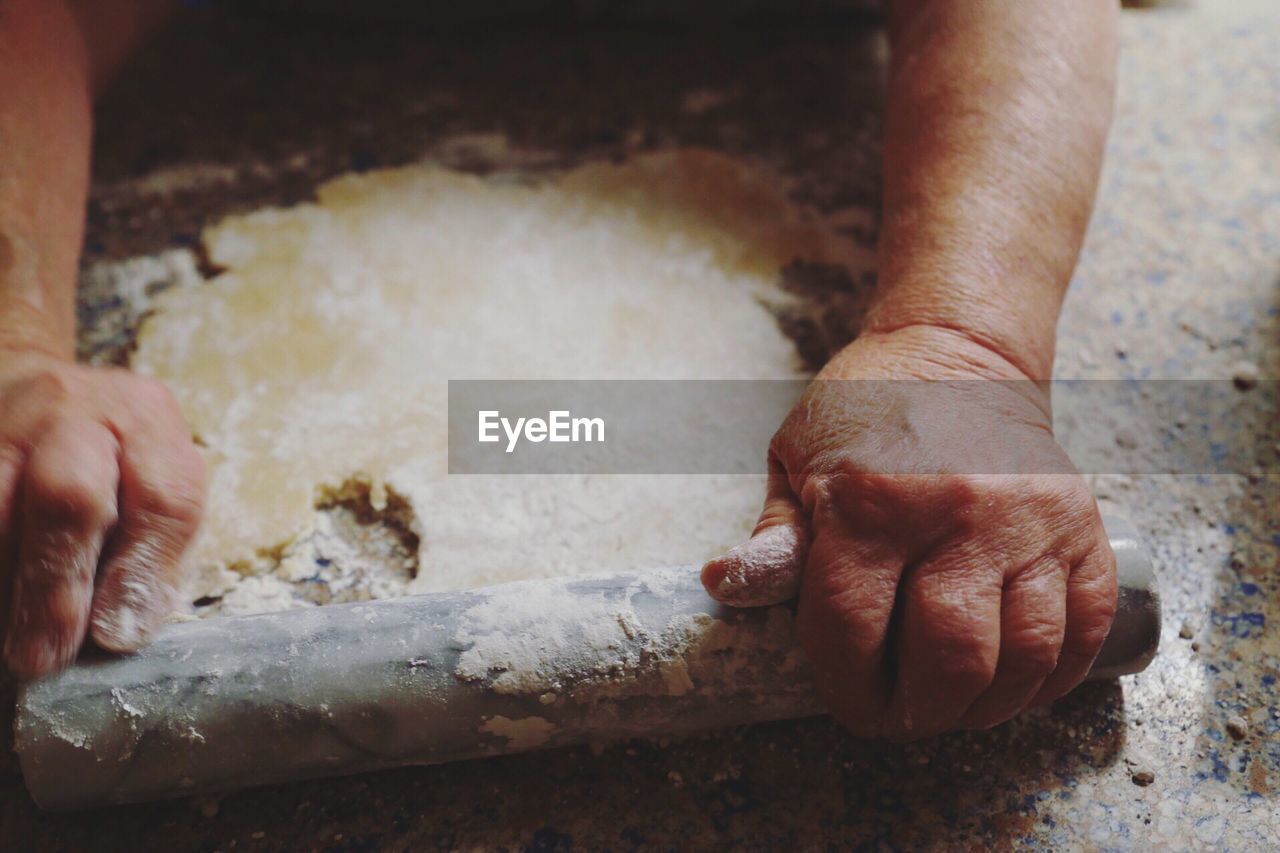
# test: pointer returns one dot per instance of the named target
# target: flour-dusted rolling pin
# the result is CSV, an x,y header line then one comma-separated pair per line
x,y
227,703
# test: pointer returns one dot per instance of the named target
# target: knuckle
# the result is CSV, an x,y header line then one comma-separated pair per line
x,y
33,404
965,662
966,492
152,393
1094,607
71,499
49,387
960,654
174,497
150,406
186,503
1033,652
1086,640
860,494
180,501
965,504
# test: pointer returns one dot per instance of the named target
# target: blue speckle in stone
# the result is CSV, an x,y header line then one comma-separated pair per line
x,y
1220,770
1249,588
1240,625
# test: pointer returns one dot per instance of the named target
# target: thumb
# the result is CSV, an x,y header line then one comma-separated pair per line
x,y
766,569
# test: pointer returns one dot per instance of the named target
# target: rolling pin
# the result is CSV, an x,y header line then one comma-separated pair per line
x,y
218,704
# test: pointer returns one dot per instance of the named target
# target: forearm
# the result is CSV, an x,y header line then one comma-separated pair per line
x,y
996,122
45,130
54,56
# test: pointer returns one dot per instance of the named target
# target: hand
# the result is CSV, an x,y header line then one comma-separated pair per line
x,y
101,490
951,565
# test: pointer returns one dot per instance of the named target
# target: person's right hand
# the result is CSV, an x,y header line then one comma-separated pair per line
x,y
951,567
101,490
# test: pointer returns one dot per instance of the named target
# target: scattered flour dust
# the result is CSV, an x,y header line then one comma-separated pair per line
x,y
534,645
314,368
525,733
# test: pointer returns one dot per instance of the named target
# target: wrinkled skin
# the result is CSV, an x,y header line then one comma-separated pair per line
x,y
952,567
101,491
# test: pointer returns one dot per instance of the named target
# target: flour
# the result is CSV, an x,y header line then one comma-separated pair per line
x,y
525,733
537,645
764,573
586,639
118,294
314,369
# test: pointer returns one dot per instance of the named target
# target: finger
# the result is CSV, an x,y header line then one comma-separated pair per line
x,y
161,496
10,471
1033,617
948,643
68,495
846,603
1090,607
767,568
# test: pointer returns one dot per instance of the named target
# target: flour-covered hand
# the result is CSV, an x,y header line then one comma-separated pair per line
x,y
101,490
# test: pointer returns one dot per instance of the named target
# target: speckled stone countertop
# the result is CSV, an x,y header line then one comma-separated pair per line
x,y
1180,279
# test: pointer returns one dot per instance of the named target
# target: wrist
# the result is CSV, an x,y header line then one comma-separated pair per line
x,y
933,353
26,328
1019,329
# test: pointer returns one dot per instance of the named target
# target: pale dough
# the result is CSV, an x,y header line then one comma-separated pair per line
x,y
319,359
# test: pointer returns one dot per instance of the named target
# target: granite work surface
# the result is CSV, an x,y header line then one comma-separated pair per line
x,y
1180,278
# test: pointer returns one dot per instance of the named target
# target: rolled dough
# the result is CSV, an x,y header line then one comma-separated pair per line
x,y
313,369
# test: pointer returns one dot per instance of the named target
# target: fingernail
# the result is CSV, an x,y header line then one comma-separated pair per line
x,y
763,570
29,654
126,623
46,626
118,628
